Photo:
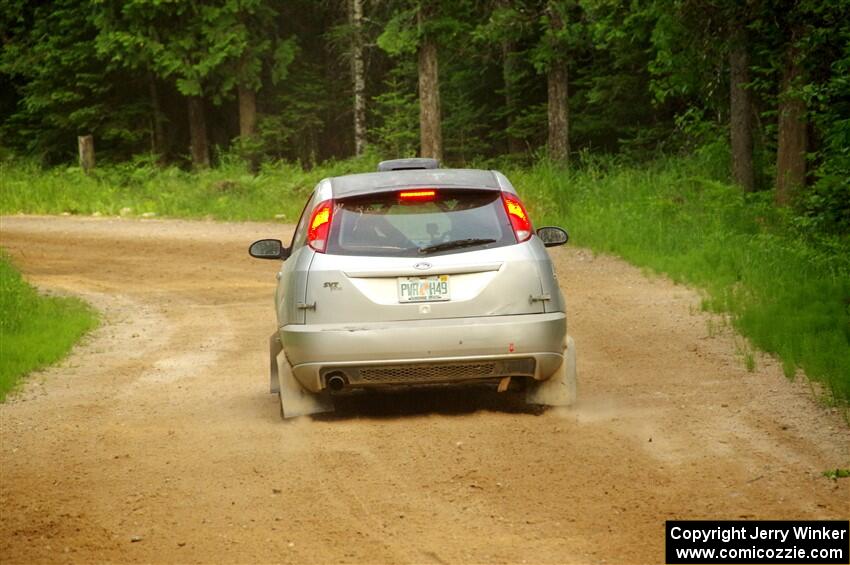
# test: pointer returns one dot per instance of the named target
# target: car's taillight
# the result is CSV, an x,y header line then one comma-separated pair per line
x,y
420,195
518,216
320,225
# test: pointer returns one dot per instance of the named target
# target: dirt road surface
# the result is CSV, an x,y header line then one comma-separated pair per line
x,y
159,428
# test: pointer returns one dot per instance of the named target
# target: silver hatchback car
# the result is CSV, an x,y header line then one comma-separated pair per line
x,y
414,276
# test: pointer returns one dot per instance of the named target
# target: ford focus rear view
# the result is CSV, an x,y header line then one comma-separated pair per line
x,y
417,276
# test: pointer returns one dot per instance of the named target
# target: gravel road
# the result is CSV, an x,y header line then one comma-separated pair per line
x,y
157,439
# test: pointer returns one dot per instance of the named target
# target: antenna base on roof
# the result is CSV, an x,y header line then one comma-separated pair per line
x,y
408,164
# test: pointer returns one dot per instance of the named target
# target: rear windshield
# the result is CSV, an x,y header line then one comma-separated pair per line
x,y
384,224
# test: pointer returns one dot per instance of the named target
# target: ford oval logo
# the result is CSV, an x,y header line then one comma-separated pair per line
x,y
422,266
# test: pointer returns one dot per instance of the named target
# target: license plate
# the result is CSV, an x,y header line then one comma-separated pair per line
x,y
423,289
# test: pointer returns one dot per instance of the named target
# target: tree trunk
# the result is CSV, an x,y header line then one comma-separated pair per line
x,y
358,72
247,112
558,99
509,71
158,133
198,133
791,154
741,117
430,133
248,125
559,112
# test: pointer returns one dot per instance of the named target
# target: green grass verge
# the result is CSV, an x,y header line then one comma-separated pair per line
x,y
788,293
227,192
35,330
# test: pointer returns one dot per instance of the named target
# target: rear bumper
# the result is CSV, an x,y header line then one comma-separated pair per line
x,y
508,343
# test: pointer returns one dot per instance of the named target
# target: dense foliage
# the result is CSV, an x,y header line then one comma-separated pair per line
x,y
273,80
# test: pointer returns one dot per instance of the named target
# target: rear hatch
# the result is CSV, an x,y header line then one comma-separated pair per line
x,y
421,253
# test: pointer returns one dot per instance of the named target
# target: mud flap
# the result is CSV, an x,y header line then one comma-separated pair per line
x,y
560,388
275,347
294,399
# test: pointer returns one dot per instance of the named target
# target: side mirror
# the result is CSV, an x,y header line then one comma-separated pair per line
x,y
268,249
552,236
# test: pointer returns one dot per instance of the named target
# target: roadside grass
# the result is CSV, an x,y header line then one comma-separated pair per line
x,y
788,293
35,330
785,290
228,192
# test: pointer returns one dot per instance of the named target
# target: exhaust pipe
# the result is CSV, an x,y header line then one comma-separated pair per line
x,y
336,382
